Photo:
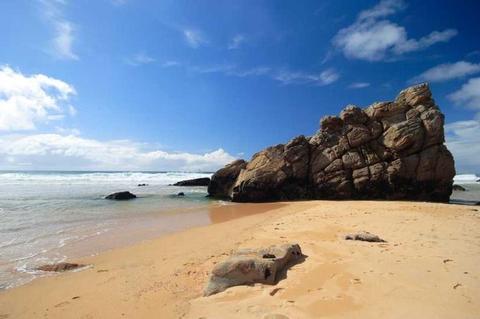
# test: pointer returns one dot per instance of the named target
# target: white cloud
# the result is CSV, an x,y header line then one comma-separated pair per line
x,y
63,40
285,76
296,77
373,38
237,41
463,137
55,151
28,100
139,59
194,38
64,31
468,95
448,71
359,85
463,140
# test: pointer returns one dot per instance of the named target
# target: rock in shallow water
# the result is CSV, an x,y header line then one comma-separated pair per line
x,y
390,150
248,266
459,188
121,196
60,267
204,181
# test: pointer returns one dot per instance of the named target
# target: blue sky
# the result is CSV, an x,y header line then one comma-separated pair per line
x,y
191,85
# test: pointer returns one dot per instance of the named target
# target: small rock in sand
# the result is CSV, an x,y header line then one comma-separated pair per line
x,y
248,266
60,267
365,236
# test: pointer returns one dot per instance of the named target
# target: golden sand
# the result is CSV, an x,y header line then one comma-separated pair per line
x,y
428,268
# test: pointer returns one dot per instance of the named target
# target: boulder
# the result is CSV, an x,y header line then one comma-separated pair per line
x,y
248,266
364,236
121,196
222,181
181,194
276,173
203,181
60,267
389,150
458,188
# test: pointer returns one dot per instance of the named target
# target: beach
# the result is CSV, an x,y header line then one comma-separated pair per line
x,y
427,268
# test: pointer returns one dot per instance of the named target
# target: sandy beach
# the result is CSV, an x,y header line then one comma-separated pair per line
x,y
428,268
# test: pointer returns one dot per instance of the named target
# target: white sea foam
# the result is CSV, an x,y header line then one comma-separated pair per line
x,y
154,178
466,178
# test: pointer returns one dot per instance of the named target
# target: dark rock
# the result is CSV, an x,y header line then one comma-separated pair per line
x,y
223,180
60,267
181,194
365,236
121,196
458,188
477,204
390,150
203,181
248,266
140,185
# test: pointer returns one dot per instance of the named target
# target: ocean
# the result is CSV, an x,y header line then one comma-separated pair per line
x,y
49,217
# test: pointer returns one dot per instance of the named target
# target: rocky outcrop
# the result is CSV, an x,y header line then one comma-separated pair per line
x,y
248,266
390,150
222,181
203,181
121,196
459,188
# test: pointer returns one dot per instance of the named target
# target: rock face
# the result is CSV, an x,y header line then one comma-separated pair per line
x,y
249,266
121,196
203,181
222,181
390,150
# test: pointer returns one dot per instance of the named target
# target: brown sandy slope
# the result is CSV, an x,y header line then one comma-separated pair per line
x,y
429,268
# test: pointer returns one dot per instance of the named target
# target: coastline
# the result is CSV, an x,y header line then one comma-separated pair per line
x,y
427,268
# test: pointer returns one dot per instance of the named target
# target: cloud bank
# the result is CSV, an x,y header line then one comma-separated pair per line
x,y
29,100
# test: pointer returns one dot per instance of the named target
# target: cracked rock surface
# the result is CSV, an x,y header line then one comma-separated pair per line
x,y
390,150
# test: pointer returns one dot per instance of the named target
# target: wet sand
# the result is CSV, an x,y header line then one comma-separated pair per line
x,y
428,268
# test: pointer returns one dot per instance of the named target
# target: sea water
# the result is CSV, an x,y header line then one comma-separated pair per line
x,y
47,217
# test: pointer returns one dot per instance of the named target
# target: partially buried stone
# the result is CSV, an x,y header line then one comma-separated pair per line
x,y
364,236
248,266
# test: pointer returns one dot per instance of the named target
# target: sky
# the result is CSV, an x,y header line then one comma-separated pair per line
x,y
193,85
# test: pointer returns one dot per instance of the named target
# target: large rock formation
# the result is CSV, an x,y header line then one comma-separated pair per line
x,y
390,150
223,180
